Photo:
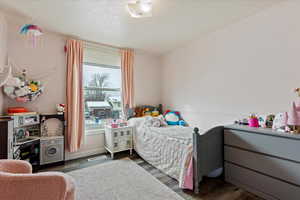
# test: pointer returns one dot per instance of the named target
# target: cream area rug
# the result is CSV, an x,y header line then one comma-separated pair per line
x,y
119,180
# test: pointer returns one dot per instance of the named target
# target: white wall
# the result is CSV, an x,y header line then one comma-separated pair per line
x,y
250,66
3,50
147,79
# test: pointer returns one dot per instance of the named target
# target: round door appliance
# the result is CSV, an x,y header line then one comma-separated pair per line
x,y
52,150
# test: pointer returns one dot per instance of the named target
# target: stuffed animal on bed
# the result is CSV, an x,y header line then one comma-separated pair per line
x,y
173,118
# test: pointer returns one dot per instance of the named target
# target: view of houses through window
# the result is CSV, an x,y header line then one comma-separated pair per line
x,y
102,94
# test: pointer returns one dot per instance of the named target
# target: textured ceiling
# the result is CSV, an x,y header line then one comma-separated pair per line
x,y
174,22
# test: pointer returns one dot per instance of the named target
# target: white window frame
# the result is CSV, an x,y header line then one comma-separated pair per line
x,y
98,131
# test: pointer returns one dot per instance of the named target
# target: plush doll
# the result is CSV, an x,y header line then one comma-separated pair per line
x,y
146,112
155,113
280,121
60,108
173,118
138,112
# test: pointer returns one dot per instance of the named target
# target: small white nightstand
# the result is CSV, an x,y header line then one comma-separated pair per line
x,y
118,139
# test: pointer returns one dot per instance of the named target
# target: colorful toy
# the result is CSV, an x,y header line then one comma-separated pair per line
x,y
33,86
23,90
280,121
266,121
253,121
12,110
174,118
155,113
182,123
60,108
294,118
147,112
138,112
32,30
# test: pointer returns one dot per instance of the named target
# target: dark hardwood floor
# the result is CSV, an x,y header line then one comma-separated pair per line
x,y
210,189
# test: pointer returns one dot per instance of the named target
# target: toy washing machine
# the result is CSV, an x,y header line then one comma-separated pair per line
x,y
52,139
51,149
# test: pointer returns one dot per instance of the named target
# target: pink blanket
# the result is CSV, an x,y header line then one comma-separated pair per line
x,y
188,178
188,175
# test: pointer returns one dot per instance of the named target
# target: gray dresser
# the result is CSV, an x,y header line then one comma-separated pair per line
x,y
263,161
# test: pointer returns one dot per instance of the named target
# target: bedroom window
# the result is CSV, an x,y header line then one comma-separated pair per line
x,y
102,87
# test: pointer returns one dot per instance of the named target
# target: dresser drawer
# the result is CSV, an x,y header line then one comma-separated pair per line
x,y
122,132
265,186
122,145
275,167
277,146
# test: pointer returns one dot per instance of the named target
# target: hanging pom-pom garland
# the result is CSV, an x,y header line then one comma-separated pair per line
x,y
32,31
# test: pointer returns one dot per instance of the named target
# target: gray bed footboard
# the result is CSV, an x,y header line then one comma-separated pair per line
x,y
207,153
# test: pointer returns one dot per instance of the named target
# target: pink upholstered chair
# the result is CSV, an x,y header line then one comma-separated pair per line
x,y
18,183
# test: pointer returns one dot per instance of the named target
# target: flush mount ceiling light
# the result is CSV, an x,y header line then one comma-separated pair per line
x,y
140,8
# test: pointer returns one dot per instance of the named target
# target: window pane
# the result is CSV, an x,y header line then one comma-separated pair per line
x,y
102,94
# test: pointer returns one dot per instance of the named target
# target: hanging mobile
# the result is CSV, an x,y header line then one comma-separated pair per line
x,y
33,31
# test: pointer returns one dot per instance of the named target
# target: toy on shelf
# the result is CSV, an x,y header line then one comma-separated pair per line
x,y
289,121
243,121
22,89
11,110
294,118
15,111
253,121
280,122
266,121
60,108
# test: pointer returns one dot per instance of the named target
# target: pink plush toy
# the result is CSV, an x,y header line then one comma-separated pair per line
x,y
253,121
294,116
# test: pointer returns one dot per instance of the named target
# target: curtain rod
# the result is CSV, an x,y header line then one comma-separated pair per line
x,y
97,43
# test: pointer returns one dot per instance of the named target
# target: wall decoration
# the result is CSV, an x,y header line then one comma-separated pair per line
x,y
22,89
33,31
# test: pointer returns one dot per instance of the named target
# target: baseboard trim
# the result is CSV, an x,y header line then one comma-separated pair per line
x,y
76,155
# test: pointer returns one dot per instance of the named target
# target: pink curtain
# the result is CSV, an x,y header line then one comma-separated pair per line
x,y
127,77
75,106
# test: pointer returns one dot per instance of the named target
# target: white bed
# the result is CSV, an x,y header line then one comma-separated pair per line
x,y
166,148
172,149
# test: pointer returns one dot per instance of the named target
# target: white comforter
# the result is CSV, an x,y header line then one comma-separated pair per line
x,y
166,148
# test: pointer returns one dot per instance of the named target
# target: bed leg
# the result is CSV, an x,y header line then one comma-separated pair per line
x,y
196,188
195,160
